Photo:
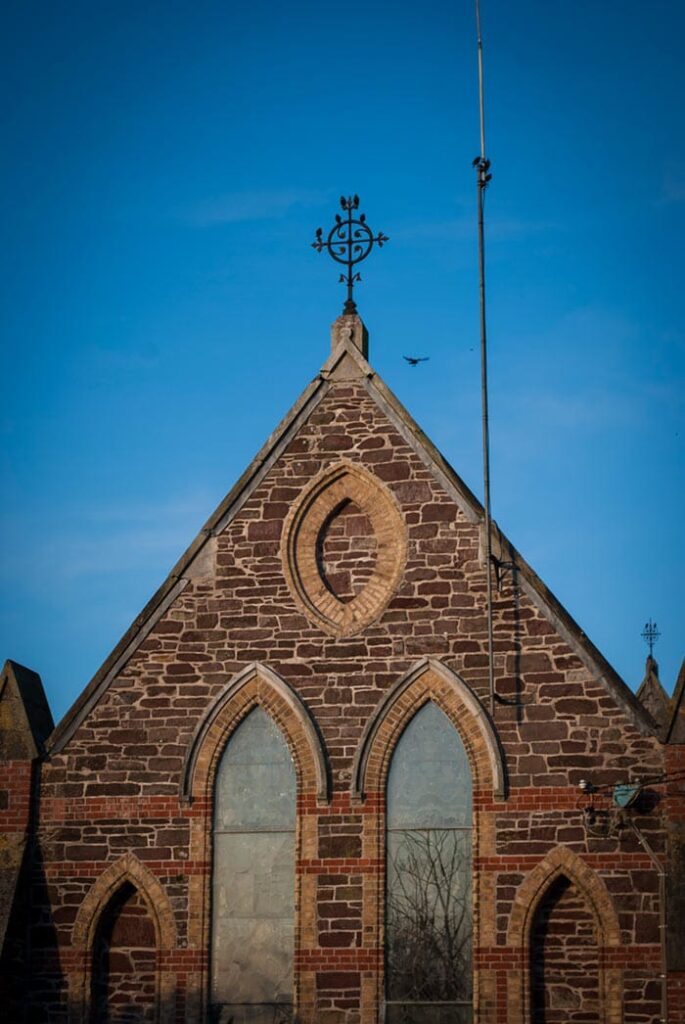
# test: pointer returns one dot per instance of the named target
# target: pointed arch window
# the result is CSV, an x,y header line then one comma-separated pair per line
x,y
564,956
428,886
253,887
124,960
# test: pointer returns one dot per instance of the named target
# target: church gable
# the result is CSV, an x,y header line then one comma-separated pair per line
x,y
335,605
349,515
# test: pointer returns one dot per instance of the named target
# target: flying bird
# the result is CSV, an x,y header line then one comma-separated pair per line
x,y
413,360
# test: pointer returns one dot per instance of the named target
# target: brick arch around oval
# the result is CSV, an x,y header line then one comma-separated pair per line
x,y
128,869
303,535
563,863
256,685
430,680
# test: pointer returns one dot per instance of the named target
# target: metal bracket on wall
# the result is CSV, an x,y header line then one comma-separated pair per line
x,y
501,569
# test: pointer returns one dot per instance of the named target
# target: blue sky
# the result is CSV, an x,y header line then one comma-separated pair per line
x,y
165,167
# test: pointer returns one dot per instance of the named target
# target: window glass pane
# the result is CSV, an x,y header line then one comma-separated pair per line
x,y
428,875
253,917
244,1013
404,1014
429,915
430,778
255,785
253,885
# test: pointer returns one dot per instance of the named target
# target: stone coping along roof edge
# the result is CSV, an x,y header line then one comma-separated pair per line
x,y
536,590
675,727
30,723
180,575
346,363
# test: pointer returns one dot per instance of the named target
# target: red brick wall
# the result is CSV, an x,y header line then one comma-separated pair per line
x,y
15,796
676,997
115,788
15,816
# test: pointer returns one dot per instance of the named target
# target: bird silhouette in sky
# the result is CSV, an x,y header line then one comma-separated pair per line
x,y
413,360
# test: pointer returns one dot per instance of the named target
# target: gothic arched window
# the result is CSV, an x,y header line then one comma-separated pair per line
x,y
253,889
428,889
124,960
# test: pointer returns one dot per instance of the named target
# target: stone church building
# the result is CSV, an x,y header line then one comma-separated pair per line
x,y
287,795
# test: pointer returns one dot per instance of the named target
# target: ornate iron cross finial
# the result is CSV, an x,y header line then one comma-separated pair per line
x,y
650,634
350,242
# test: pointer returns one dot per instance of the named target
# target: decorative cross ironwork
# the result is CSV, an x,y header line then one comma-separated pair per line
x,y
650,634
349,242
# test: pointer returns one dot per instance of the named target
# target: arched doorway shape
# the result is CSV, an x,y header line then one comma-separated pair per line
x,y
562,864
253,687
428,681
124,962
125,876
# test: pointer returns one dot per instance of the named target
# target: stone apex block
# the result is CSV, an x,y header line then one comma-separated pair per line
x,y
25,717
350,329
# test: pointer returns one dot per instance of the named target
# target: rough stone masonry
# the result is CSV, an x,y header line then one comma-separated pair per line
x,y
340,587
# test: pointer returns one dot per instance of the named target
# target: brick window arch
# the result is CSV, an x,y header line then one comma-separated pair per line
x,y
123,935
255,684
429,679
428,682
563,957
428,904
253,875
564,890
254,688
124,961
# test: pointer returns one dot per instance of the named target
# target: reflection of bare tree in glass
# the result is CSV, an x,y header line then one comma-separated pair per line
x,y
286,1015
429,916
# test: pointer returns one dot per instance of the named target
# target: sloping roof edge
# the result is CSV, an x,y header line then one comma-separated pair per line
x,y
176,581
534,587
653,696
31,720
675,729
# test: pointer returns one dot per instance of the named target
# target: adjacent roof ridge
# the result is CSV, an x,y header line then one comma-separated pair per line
x,y
652,695
28,724
675,728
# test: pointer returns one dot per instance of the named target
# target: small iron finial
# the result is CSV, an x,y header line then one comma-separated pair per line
x,y
650,634
350,241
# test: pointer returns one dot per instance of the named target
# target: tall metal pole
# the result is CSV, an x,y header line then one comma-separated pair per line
x,y
481,105
482,165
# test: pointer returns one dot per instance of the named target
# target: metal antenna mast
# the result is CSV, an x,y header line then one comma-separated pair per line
x,y
482,165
